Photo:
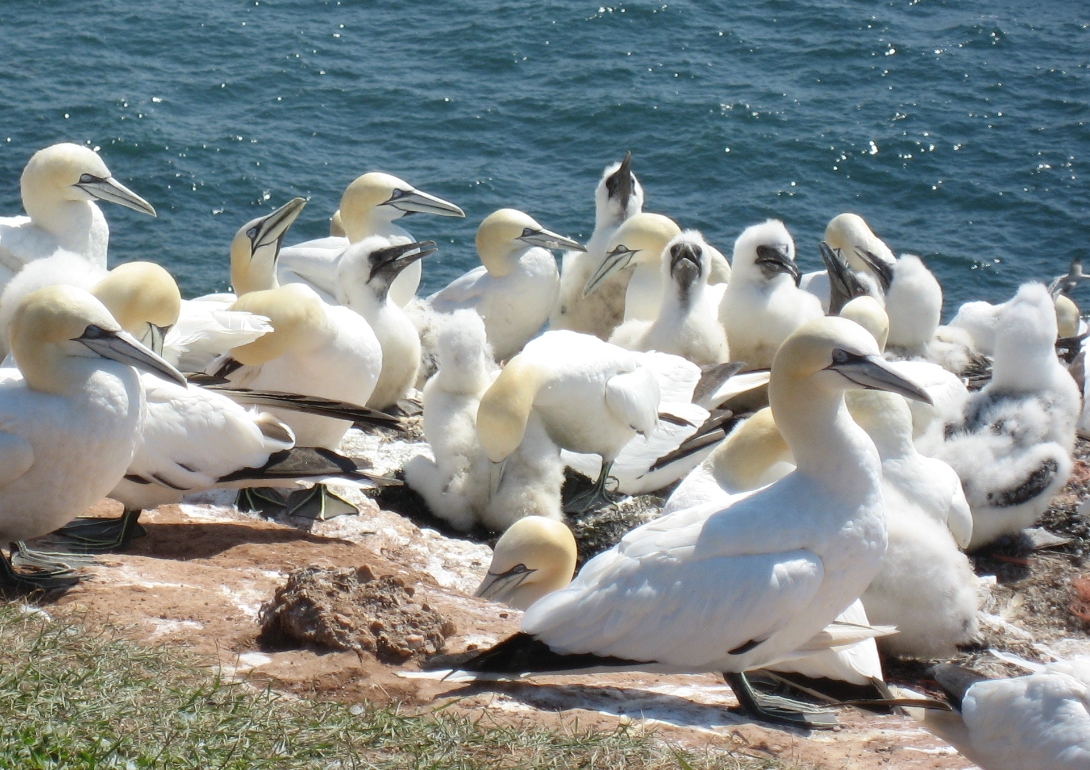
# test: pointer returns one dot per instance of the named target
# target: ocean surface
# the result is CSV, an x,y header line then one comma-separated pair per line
x,y
958,130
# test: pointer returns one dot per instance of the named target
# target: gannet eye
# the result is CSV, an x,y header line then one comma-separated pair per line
x,y
841,356
527,231
398,194
252,232
89,179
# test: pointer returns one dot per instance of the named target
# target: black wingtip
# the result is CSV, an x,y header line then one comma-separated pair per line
x,y
955,681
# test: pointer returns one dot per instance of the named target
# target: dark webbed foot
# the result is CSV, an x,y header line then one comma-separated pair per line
x,y
46,576
96,535
777,710
318,502
598,496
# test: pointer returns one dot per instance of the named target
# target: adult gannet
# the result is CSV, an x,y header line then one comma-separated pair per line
x,y
534,557
59,186
617,198
687,323
744,585
763,304
1041,720
365,273
592,397
638,243
458,484
71,415
1013,450
516,287
370,206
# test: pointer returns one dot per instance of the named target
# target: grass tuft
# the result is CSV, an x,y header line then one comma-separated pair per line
x,y
75,698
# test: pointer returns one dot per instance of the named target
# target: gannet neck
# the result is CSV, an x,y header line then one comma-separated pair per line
x,y
534,557
505,407
741,461
1067,317
139,294
1025,355
298,319
497,240
869,313
887,420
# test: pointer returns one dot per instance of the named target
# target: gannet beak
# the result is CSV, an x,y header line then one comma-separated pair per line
x,y
844,284
618,259
123,347
417,202
683,251
872,373
109,189
270,229
156,338
502,582
495,477
393,259
619,183
777,259
882,269
547,239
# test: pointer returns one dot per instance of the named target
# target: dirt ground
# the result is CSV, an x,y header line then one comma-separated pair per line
x,y
201,576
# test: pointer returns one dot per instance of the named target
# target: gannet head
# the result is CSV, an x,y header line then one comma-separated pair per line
x,y
863,250
505,408
763,252
534,557
749,452
256,246
1025,352
297,315
640,240
868,313
687,263
144,298
59,323
506,233
838,355
383,197
1067,317
619,194
71,172
372,264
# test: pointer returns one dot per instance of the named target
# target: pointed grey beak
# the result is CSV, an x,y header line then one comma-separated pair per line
x,y
872,373
616,260
417,202
109,189
123,347
881,269
495,477
270,229
684,251
389,262
619,183
547,239
155,338
844,284
777,259
502,583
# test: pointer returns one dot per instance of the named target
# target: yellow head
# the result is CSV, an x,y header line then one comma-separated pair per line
x,y
139,294
869,313
534,557
505,408
71,172
1067,317
640,240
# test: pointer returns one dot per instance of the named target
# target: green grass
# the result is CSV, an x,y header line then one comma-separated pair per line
x,y
74,698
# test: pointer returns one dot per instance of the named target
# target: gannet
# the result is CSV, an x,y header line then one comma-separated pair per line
x,y
617,198
71,415
1013,450
516,287
638,243
370,206
763,304
59,186
742,586
1041,720
687,323
534,557
592,397
458,485
365,273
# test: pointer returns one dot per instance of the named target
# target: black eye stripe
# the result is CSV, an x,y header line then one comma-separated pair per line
x,y
89,179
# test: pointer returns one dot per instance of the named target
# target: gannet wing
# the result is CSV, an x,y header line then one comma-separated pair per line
x,y
462,292
22,242
633,398
314,263
207,329
16,457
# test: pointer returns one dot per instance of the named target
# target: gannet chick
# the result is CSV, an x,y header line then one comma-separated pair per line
x,y
639,243
71,415
534,557
1013,451
365,274
314,349
371,205
592,398
515,288
914,305
59,186
617,198
763,305
1035,721
457,485
744,585
688,321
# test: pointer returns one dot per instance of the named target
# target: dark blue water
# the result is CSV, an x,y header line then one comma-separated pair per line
x,y
960,134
